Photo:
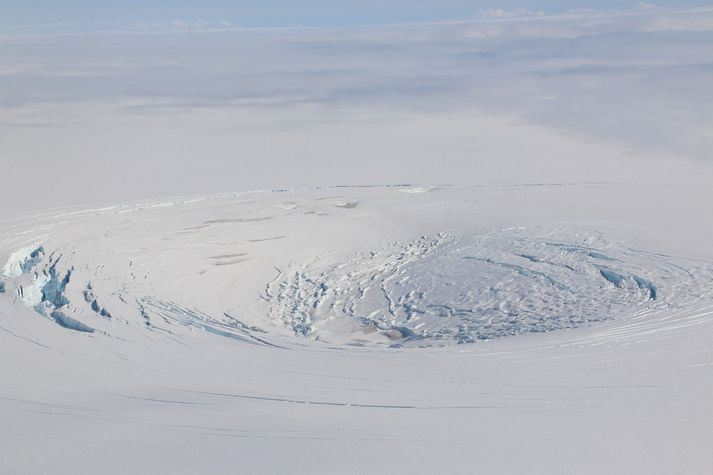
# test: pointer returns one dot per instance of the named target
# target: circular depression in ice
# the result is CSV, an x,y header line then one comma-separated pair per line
x,y
460,288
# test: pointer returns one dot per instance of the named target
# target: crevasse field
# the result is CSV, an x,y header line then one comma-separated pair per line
x,y
479,246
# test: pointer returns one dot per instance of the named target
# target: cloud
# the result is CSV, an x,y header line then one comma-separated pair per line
x,y
514,13
646,5
636,81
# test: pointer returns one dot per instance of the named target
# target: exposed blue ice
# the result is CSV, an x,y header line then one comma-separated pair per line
x,y
53,290
47,292
22,261
94,303
612,277
646,284
69,322
599,255
32,260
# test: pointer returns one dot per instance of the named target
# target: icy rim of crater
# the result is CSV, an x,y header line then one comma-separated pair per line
x,y
435,290
23,260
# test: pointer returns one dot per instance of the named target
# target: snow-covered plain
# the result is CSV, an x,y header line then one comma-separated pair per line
x,y
538,300
535,328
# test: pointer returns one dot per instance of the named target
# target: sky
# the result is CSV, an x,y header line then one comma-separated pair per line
x,y
281,13
107,114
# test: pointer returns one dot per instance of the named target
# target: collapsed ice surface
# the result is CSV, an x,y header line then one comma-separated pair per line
x,y
464,288
46,292
23,261
54,287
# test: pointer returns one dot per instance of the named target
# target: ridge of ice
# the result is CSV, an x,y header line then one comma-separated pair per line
x,y
22,261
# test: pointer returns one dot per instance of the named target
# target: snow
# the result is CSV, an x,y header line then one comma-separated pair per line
x,y
461,288
23,260
32,294
398,335
470,247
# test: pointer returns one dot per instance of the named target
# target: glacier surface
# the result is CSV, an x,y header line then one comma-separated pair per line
x,y
456,325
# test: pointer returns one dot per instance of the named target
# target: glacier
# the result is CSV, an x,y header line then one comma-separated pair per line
x,y
279,323
23,260
468,245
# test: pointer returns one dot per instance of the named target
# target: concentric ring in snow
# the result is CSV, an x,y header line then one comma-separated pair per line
x,y
203,267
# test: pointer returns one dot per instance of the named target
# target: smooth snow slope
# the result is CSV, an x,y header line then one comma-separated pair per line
x,y
525,328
